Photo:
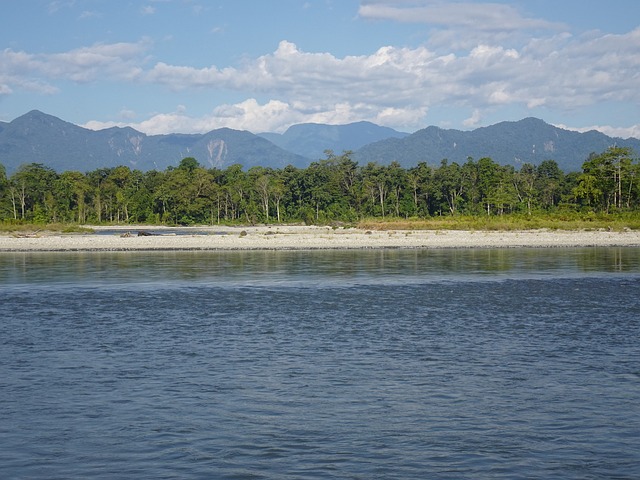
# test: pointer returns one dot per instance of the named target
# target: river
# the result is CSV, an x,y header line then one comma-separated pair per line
x,y
407,364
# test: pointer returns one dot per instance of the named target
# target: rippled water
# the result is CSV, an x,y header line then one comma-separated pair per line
x,y
370,364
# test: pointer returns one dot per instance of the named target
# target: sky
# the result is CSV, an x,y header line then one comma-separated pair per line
x,y
191,66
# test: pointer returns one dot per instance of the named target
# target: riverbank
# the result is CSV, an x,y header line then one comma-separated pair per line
x,y
305,238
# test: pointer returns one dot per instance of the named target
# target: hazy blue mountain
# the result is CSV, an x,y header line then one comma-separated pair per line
x,y
312,139
40,138
509,143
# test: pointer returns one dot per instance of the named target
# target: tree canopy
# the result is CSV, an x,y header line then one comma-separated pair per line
x,y
332,189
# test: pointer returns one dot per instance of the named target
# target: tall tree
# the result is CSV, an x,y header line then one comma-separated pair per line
x,y
524,184
450,182
71,189
549,183
608,178
31,183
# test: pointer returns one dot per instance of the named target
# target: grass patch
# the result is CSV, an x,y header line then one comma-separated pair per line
x,y
11,227
572,221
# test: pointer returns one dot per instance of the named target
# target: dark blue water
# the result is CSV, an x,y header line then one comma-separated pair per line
x,y
291,365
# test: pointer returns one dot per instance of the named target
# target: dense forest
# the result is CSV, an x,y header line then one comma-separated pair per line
x,y
335,189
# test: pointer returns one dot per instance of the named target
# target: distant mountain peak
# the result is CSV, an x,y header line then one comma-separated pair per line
x,y
37,137
530,140
311,140
37,114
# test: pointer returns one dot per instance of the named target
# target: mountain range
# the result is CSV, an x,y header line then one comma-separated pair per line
x,y
311,140
529,140
40,138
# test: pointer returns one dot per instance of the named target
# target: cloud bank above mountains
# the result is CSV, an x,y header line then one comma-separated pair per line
x,y
473,63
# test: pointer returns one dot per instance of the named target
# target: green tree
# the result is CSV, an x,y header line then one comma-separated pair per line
x,y
100,190
72,188
237,190
549,181
450,182
318,190
189,164
261,180
397,182
4,192
489,180
524,183
608,179
31,186
420,183
376,179
186,193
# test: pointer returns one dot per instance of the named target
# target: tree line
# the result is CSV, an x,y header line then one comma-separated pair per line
x,y
329,190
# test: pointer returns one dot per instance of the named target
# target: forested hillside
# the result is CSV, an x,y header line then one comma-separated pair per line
x,y
529,140
311,139
330,190
40,138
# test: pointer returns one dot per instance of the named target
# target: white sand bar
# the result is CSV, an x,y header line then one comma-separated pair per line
x,y
306,238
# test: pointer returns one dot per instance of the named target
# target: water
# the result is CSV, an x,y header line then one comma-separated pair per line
x,y
290,365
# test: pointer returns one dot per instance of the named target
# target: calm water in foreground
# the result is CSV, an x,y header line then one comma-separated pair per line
x,y
291,365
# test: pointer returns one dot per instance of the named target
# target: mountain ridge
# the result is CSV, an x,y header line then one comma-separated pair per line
x,y
311,140
530,140
37,137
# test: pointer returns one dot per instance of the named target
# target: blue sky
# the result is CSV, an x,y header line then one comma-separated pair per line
x,y
191,66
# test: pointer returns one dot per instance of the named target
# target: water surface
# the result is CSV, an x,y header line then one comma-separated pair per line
x,y
518,363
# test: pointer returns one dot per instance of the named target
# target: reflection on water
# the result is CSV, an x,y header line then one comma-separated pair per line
x,y
394,364
326,266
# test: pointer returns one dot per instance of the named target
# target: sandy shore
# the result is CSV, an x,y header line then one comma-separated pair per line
x,y
305,238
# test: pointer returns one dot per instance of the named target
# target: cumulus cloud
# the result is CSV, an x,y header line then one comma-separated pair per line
x,y
394,86
616,132
127,114
271,116
473,120
147,10
247,115
478,16
116,61
459,24
383,76
398,77
88,14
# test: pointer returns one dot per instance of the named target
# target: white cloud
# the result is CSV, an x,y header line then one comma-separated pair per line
x,y
272,116
473,120
87,14
395,77
386,73
127,114
247,115
57,5
483,16
393,86
116,61
458,25
616,132
147,10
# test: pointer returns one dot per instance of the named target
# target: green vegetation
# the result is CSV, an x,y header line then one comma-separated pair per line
x,y
476,195
551,221
31,228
